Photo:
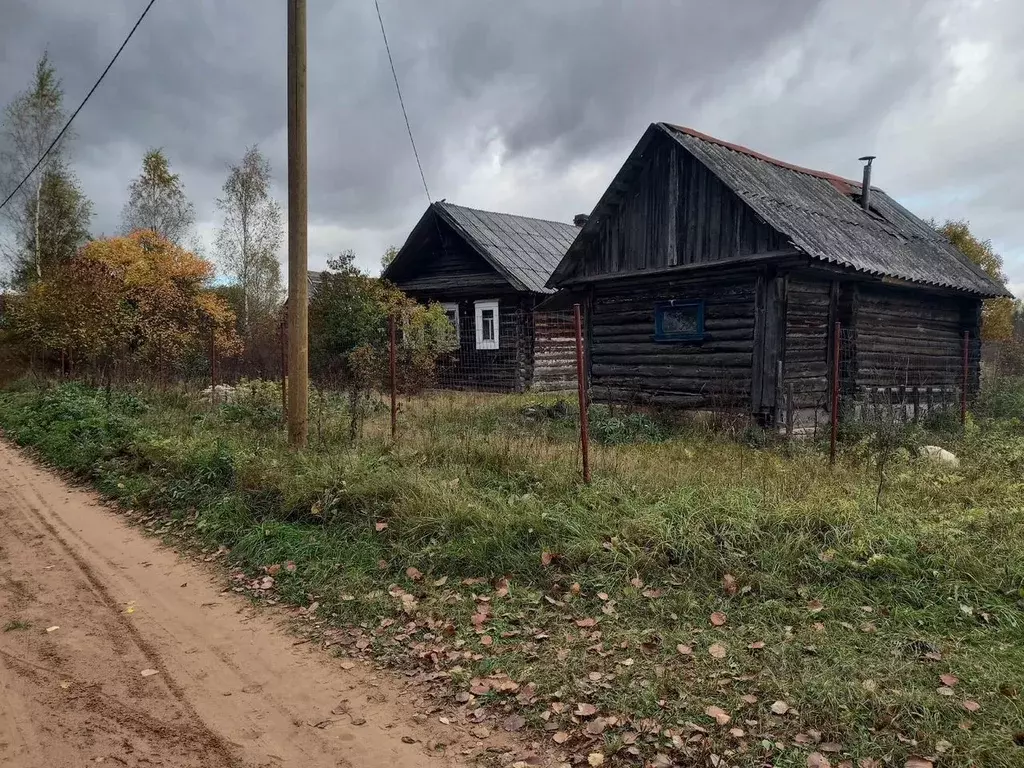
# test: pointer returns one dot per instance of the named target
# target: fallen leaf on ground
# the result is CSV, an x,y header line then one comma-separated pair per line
x,y
918,762
413,573
972,706
586,623
596,726
780,707
944,691
585,710
684,650
717,651
719,715
486,640
514,723
756,646
718,618
949,680
480,732
381,526
290,566
749,698
149,672
501,587
560,737
440,582
815,606
274,569
817,760
729,585
595,759
637,582
52,629
546,558
737,733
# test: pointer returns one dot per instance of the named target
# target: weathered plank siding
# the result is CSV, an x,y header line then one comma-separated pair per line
x,y
448,266
807,342
628,365
675,213
909,338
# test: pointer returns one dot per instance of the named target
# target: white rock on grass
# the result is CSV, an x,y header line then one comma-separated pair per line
x,y
939,455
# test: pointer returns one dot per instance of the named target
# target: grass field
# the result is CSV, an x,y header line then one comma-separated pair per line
x,y
707,597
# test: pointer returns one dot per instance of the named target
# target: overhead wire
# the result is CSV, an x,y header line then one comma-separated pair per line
x,y
75,113
401,102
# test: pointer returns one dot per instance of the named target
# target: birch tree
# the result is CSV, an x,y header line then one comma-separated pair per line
x,y
60,216
157,201
250,235
31,121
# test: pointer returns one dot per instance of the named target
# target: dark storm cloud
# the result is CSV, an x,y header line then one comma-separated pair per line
x,y
529,106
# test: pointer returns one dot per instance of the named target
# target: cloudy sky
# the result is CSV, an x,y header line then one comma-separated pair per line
x,y
530,106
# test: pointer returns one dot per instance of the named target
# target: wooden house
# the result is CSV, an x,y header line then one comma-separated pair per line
x,y
713,276
489,271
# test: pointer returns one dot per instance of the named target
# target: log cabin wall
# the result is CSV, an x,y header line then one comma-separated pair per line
x,y
448,270
554,352
628,365
910,338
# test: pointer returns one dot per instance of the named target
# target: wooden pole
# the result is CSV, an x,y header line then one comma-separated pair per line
x,y
581,386
394,382
283,343
835,394
298,285
964,378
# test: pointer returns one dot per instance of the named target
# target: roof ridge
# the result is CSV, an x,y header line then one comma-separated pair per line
x,y
504,213
825,175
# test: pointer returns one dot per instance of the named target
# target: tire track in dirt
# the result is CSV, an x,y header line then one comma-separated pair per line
x,y
230,688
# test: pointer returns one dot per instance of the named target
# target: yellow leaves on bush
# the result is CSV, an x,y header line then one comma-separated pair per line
x,y
135,297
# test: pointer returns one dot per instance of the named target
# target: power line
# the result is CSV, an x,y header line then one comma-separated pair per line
x,y
75,114
401,101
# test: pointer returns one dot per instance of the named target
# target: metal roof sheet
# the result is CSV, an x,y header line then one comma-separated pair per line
x,y
819,214
525,250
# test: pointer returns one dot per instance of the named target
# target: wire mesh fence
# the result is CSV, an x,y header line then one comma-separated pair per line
x,y
509,387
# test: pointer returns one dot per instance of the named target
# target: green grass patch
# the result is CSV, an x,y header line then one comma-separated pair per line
x,y
846,610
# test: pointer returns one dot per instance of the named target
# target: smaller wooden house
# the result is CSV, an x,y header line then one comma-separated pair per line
x,y
714,276
489,271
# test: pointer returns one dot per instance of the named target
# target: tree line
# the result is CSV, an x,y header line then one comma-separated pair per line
x,y
88,299
145,299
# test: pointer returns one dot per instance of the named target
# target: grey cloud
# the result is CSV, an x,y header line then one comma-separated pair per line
x,y
548,86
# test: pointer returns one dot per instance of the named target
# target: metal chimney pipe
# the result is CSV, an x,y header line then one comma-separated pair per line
x,y
865,189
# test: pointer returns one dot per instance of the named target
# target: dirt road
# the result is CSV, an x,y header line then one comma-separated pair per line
x,y
115,651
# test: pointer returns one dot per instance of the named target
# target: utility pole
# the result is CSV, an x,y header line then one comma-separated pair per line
x,y
298,279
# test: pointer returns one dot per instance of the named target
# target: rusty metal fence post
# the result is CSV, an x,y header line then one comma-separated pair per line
x,y
965,378
394,384
836,351
581,386
213,368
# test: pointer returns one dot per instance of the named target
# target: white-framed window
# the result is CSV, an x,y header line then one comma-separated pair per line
x,y
451,311
487,324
